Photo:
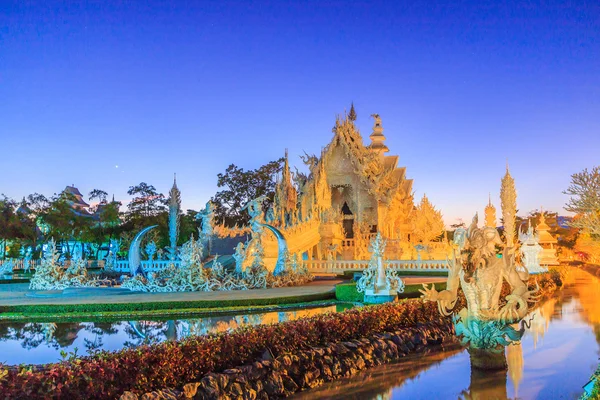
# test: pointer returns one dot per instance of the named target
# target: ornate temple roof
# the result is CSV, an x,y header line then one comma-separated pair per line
x,y
78,201
380,173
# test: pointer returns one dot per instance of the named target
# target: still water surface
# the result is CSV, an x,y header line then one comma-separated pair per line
x,y
554,360
39,343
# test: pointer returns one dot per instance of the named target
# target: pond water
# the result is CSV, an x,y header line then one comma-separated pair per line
x,y
38,343
555,358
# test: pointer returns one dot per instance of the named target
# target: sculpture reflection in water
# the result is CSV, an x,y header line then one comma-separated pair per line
x,y
484,324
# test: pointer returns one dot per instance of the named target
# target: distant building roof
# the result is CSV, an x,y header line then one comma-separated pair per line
x,y
78,202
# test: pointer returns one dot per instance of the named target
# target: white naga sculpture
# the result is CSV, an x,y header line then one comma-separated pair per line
x,y
378,283
476,268
530,251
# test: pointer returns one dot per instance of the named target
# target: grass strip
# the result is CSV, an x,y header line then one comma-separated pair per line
x,y
164,314
99,308
348,291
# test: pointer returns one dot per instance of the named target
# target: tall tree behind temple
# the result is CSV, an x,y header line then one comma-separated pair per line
x,y
585,200
241,186
146,203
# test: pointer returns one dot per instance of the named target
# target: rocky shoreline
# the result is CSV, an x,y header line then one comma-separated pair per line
x,y
287,374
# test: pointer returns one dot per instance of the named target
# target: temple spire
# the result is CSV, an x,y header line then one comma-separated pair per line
x,y
490,213
377,137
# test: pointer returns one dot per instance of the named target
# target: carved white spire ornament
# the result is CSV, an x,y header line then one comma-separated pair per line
x,y
508,199
490,214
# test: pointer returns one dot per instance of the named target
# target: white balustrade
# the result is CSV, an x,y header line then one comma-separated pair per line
x,y
341,266
20,264
147,265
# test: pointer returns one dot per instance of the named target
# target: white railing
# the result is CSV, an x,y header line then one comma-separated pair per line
x,y
341,266
20,264
147,266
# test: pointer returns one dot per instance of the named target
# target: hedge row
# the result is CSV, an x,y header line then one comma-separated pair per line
x,y
173,364
157,305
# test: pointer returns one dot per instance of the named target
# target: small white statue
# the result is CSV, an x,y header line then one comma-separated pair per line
x,y
530,251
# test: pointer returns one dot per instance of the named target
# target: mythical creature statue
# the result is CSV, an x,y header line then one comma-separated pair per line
x,y
111,259
27,259
207,216
239,256
255,211
530,251
480,273
484,324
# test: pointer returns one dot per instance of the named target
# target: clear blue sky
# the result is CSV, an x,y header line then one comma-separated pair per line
x,y
191,87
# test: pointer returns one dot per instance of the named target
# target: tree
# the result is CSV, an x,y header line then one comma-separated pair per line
x,y
99,195
9,229
242,186
147,202
66,225
107,219
585,200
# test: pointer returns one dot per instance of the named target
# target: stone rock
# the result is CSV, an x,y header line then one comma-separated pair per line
x,y
340,349
210,386
267,355
160,395
286,360
129,396
289,384
273,384
250,394
189,390
235,390
232,371
326,372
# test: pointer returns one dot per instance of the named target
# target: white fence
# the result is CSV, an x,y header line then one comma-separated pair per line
x,y
19,264
341,266
314,266
147,265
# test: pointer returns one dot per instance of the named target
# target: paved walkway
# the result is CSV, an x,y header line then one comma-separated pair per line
x,y
16,293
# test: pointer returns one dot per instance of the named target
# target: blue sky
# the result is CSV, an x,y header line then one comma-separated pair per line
x,y
190,87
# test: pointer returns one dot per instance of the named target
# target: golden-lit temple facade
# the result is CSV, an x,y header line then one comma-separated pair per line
x,y
351,192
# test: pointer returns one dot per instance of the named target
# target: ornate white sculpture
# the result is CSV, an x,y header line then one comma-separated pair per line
x,y
113,250
484,323
207,218
174,210
6,268
530,251
239,256
508,198
135,260
51,275
27,259
378,283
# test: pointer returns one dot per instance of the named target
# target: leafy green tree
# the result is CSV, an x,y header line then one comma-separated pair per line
x,y
107,219
66,225
147,202
241,186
